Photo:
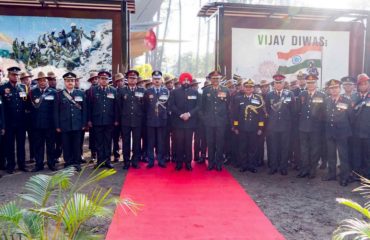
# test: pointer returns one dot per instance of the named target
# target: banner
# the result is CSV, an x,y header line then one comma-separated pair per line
x,y
260,53
56,44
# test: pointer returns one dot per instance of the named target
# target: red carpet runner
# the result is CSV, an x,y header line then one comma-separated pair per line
x,y
189,205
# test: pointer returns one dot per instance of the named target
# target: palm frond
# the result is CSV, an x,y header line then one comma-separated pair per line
x,y
94,177
352,229
355,206
33,223
10,213
40,187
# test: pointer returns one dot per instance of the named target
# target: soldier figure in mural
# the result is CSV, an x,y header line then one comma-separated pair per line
x,y
95,42
312,70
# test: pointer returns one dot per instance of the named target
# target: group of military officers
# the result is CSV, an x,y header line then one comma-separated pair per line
x,y
299,124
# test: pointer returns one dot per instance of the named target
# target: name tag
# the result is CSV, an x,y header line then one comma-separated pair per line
x,y
110,95
241,103
288,99
317,100
78,99
139,94
255,101
1,102
163,97
192,97
22,94
367,104
342,106
221,95
49,97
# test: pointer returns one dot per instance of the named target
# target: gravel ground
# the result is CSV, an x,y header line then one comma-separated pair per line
x,y
299,208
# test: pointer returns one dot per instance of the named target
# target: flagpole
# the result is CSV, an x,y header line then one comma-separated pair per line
x,y
321,67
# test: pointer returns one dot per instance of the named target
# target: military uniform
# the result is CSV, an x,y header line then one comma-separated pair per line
x,y
311,112
361,131
215,114
155,100
102,115
70,116
248,118
14,98
130,116
280,107
2,128
184,101
92,144
338,130
42,109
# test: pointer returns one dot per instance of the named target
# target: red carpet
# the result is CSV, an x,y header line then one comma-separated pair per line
x,y
189,205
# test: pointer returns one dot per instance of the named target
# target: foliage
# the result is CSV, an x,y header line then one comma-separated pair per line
x,y
355,228
59,209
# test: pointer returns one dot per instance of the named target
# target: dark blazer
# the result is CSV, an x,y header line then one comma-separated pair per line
x,y
156,114
101,105
67,116
215,106
130,106
281,111
311,111
42,107
2,119
244,117
361,118
15,104
184,100
338,118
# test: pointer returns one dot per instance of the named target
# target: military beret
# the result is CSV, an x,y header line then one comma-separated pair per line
x,y
157,74
69,75
14,70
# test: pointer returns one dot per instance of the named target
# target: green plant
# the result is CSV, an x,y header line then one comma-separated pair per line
x,y
59,210
354,228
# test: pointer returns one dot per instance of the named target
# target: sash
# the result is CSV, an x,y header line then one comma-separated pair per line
x,y
69,97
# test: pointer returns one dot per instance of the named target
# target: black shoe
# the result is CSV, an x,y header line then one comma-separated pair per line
x,y
162,165
135,165
52,168
10,171
272,171
323,166
302,175
116,160
328,178
311,176
343,183
109,166
150,165
23,169
284,172
77,168
188,166
126,166
32,160
219,168
243,169
37,169
209,168
178,166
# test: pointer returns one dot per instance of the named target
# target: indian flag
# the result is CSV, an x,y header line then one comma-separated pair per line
x,y
297,59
